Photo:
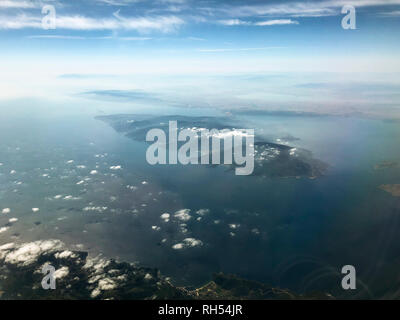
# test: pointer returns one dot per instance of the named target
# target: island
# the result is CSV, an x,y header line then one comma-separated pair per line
x,y
393,189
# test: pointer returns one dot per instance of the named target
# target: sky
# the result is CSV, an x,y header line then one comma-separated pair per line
x,y
291,55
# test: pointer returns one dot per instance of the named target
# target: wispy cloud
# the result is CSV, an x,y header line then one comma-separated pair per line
x,y
17,4
238,22
237,49
68,37
395,13
19,22
63,37
299,9
275,22
233,22
133,38
196,39
77,22
173,1
118,2
292,9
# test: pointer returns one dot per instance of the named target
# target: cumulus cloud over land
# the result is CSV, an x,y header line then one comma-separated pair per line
x,y
77,275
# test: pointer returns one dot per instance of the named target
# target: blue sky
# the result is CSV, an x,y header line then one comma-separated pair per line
x,y
195,28
126,41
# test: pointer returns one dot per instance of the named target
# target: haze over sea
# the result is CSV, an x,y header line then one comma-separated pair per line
x,y
96,192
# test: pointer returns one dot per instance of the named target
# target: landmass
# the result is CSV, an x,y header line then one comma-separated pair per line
x,y
271,159
79,276
393,189
386,165
231,287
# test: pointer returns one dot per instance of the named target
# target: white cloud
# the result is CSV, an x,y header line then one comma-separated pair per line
x,y
255,231
187,243
233,22
132,38
395,13
20,22
65,254
95,293
173,1
302,9
97,209
4,229
236,49
69,197
107,284
61,273
238,22
361,3
118,2
165,217
17,4
191,242
78,22
27,253
275,22
203,212
177,246
183,214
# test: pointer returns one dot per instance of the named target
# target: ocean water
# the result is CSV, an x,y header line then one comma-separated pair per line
x,y
294,233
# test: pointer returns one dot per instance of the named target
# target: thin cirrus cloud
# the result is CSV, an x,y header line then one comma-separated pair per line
x,y
66,37
63,37
78,22
237,49
275,22
118,3
17,4
300,9
395,13
233,22
238,22
292,9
